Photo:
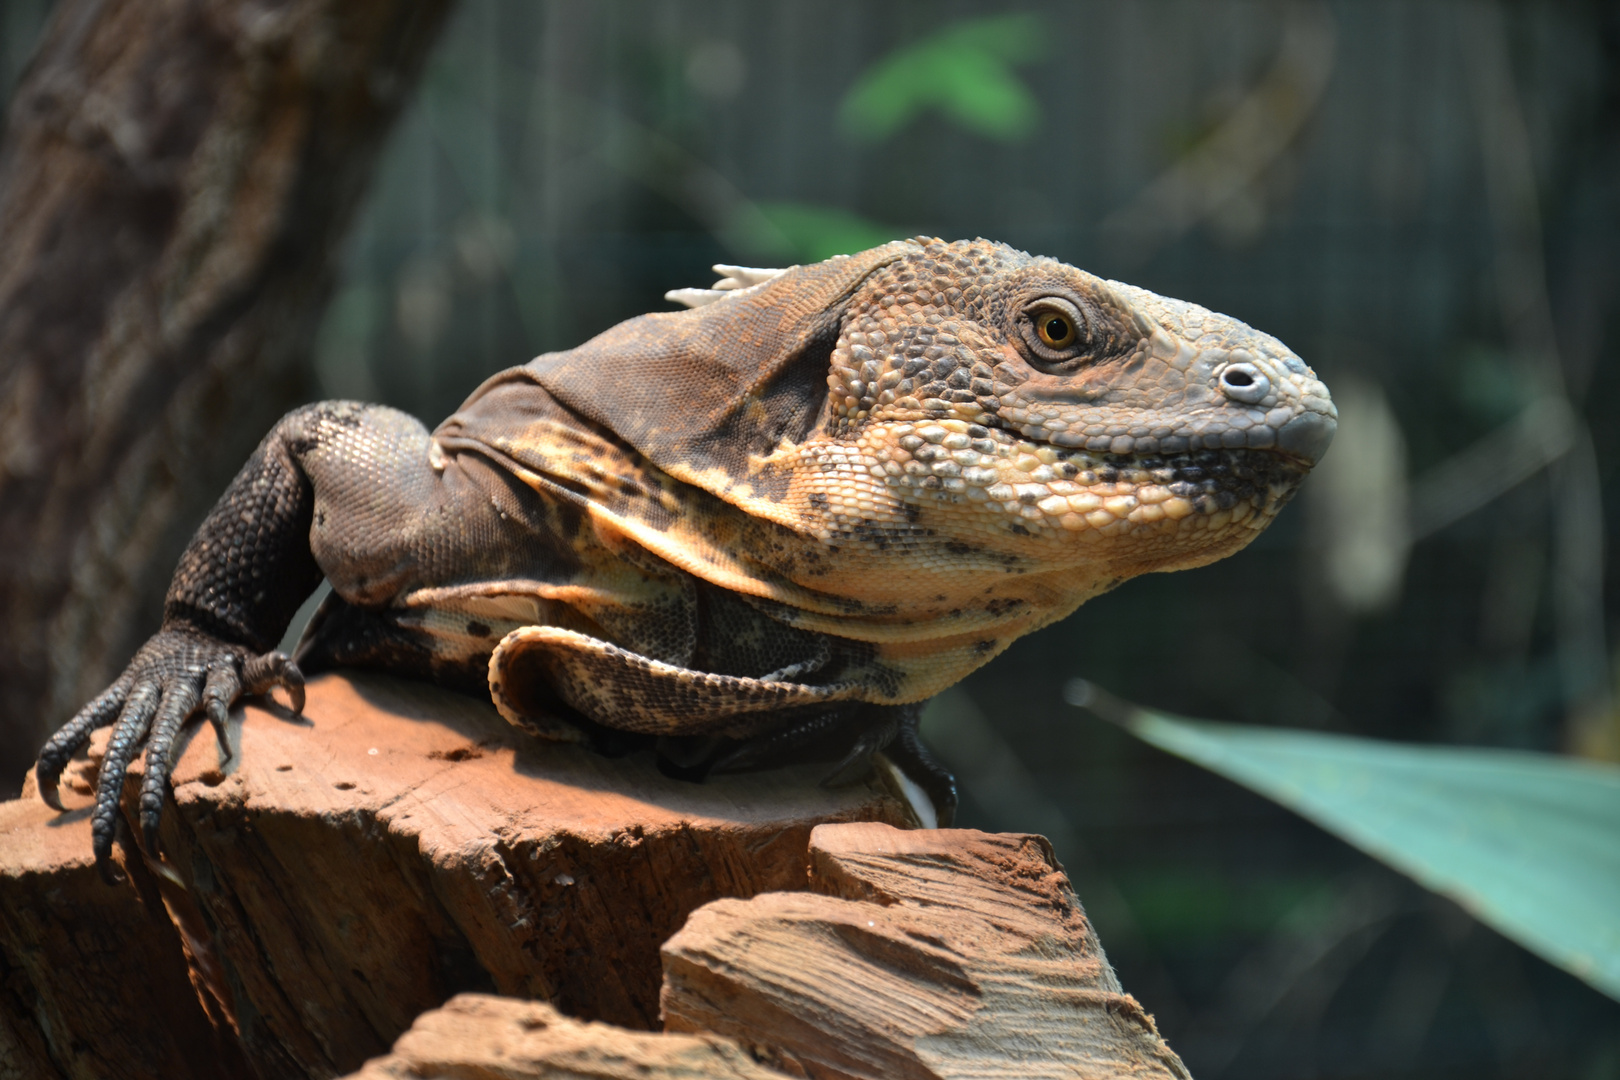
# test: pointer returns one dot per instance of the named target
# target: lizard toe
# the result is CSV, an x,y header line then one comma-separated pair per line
x,y
71,737
223,687
179,702
917,763
272,669
133,724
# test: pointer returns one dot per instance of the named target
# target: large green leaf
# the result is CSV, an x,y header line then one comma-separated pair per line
x,y
1528,843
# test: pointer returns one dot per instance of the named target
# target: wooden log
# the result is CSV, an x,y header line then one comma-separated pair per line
x,y
479,1037
401,843
932,953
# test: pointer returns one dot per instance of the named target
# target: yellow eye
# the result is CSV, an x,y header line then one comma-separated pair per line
x,y
1055,329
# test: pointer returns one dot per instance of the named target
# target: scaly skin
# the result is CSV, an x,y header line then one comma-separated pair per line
x,y
760,531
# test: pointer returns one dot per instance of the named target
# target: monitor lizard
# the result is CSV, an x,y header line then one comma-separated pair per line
x,y
761,530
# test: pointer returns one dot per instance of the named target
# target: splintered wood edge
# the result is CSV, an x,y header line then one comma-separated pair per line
x,y
920,953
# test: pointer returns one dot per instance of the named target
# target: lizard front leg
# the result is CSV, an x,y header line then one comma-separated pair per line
x,y
236,588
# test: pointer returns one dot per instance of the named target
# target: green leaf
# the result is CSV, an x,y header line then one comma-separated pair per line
x,y
964,71
1527,843
820,232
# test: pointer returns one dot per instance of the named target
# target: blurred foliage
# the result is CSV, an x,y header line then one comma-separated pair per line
x,y
813,233
1194,905
965,71
1528,843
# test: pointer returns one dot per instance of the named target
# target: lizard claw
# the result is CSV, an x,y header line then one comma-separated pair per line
x,y
177,671
61,747
223,685
274,669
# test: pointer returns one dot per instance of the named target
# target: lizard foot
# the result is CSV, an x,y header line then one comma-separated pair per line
x,y
853,733
847,733
917,763
177,671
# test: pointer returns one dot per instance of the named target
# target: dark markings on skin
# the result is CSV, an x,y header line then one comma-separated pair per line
x,y
477,629
983,646
875,535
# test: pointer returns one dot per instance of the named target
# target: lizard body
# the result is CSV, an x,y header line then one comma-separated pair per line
x,y
761,530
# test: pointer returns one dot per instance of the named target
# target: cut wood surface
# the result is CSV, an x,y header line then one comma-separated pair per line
x,y
479,1037
933,953
400,843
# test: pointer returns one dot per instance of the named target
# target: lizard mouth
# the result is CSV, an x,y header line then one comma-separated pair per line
x,y
1097,495
1159,509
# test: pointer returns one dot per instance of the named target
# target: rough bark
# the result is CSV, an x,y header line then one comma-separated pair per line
x,y
926,954
174,182
403,843
479,1037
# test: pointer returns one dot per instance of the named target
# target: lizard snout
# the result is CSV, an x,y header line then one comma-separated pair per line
x,y
1300,416
1307,436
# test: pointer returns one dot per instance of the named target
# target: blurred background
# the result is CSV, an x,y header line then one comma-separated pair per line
x,y
1422,198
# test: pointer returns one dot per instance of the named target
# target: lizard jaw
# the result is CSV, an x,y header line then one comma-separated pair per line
x,y
1181,503
997,496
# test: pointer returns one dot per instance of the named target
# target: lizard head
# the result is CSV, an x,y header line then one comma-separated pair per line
x,y
1030,407
1026,433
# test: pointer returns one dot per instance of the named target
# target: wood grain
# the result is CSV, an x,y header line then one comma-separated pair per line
x,y
932,953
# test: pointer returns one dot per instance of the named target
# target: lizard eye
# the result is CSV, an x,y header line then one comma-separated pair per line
x,y
1054,329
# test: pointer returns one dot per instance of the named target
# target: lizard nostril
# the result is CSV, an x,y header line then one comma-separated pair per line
x,y
1245,383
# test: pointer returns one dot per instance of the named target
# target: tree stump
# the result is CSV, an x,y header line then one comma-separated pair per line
x,y
400,843
340,875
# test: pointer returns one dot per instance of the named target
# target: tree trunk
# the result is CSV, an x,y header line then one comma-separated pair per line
x,y
175,181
